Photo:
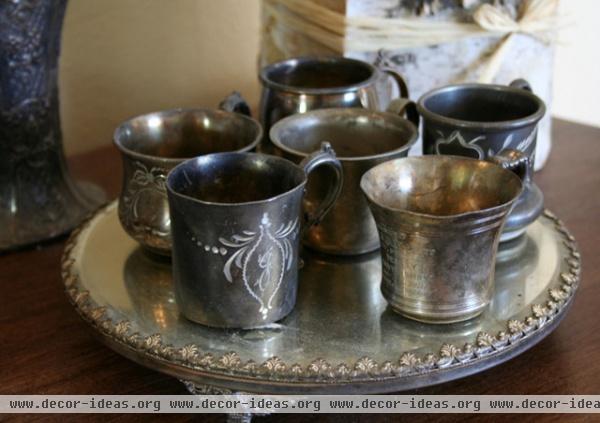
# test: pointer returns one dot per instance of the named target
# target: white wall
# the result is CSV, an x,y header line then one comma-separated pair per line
x,y
577,63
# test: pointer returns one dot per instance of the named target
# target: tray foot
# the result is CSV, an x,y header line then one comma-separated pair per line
x,y
200,389
240,418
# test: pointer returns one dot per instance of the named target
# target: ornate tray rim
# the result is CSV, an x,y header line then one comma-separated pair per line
x,y
230,371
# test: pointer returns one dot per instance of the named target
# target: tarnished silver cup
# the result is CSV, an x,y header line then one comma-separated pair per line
x,y
478,121
151,145
236,222
301,84
439,220
362,139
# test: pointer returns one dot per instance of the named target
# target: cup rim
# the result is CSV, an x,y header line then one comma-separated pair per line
x,y
295,61
240,155
276,129
436,217
182,110
492,125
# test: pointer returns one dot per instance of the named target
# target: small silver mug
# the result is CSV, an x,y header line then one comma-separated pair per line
x,y
151,145
237,222
362,139
302,84
439,220
478,121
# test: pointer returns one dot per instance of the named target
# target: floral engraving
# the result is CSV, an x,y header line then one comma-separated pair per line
x,y
144,182
189,352
505,144
263,256
39,198
274,365
457,143
231,359
524,145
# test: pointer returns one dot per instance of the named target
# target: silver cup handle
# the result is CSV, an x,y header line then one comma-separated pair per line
x,y
522,84
400,82
402,105
405,107
325,156
515,161
235,103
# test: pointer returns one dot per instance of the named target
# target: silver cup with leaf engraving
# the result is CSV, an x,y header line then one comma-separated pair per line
x,y
237,221
439,219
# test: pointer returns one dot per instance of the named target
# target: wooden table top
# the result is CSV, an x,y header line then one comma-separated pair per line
x,y
45,348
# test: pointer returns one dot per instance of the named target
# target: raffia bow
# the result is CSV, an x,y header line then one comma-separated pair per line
x,y
538,18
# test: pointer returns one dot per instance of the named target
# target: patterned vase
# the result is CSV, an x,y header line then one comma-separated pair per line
x,y
38,199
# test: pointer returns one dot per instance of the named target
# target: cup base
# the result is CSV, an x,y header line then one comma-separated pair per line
x,y
439,319
508,236
511,249
223,324
433,313
334,251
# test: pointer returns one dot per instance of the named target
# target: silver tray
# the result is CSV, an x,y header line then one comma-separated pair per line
x,y
341,337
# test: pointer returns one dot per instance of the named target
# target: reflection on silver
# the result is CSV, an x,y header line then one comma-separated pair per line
x,y
150,288
149,284
509,297
339,339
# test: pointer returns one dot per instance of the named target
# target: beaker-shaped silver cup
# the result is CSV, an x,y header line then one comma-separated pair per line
x,y
439,220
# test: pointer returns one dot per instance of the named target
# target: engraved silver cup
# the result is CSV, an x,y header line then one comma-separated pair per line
x,y
236,222
151,145
478,121
439,220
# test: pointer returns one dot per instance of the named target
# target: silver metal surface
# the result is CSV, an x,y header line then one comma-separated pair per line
x,y
152,144
39,200
341,337
361,139
236,222
439,220
480,120
302,84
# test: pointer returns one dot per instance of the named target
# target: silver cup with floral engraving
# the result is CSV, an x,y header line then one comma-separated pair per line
x,y
237,221
151,145
439,220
